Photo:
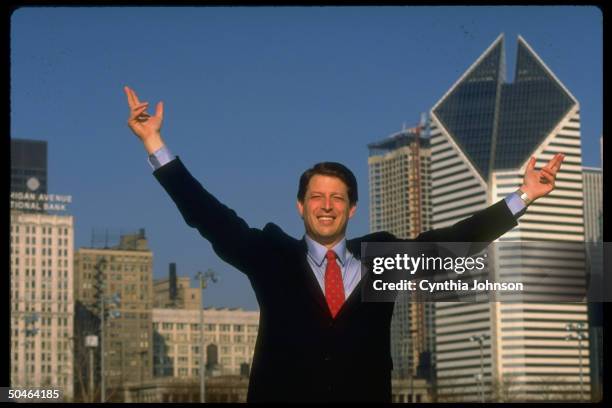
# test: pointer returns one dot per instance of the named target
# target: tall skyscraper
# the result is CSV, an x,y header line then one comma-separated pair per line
x,y
400,184
400,204
483,132
124,274
42,306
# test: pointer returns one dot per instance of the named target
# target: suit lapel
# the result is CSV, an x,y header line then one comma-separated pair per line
x,y
310,281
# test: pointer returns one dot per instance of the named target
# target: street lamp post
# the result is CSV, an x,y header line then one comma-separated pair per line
x,y
203,278
100,286
91,372
577,333
480,339
91,342
114,301
102,377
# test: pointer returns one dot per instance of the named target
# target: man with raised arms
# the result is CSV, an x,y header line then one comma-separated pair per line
x,y
317,341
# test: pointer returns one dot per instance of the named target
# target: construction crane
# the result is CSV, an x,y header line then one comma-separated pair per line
x,y
416,212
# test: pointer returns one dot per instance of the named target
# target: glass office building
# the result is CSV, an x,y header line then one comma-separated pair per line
x,y
483,132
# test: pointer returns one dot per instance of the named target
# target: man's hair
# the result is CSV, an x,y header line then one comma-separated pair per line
x,y
332,169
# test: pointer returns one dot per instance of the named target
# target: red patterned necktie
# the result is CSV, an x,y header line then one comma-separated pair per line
x,y
334,289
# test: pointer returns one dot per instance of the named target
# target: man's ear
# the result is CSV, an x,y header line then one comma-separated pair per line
x,y
352,210
300,208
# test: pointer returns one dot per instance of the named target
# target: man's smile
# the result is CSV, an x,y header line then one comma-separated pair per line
x,y
326,219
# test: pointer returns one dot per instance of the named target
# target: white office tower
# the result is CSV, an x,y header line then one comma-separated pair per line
x,y
42,306
483,132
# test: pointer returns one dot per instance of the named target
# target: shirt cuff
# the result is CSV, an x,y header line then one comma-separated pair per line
x,y
160,157
515,204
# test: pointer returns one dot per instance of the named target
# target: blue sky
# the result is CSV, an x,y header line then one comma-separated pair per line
x,y
253,97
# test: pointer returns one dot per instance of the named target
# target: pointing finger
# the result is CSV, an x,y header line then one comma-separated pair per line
x,y
531,163
129,96
552,161
135,100
559,161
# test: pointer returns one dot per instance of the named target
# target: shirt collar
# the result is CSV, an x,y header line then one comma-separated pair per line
x,y
317,251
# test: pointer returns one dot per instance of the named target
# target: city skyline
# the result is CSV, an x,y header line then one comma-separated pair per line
x,y
239,106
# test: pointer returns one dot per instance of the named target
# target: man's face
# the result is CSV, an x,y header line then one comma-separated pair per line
x,y
326,209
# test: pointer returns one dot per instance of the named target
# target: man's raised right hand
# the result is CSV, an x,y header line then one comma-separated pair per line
x,y
145,126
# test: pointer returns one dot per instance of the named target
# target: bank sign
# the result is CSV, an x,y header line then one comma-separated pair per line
x,y
39,201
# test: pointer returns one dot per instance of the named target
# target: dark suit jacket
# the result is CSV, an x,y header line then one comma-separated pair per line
x,y
302,354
